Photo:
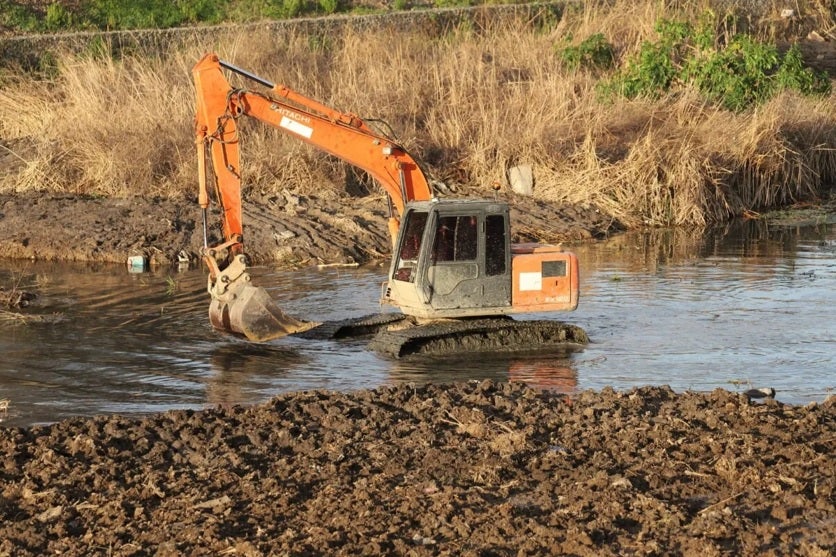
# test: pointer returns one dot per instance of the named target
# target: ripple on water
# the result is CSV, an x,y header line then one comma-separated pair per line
x,y
750,307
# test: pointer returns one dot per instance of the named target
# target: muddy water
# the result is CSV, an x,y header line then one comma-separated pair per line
x,y
748,306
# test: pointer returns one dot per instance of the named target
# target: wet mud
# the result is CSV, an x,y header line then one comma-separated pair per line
x,y
463,469
287,229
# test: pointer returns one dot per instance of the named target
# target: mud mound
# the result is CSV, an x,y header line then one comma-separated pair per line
x,y
287,230
465,469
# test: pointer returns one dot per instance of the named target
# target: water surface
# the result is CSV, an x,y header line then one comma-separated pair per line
x,y
750,305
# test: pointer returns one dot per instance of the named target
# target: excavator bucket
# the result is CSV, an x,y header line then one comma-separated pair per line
x,y
255,315
241,308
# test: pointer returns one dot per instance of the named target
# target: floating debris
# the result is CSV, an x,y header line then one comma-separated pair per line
x,y
15,298
17,318
767,392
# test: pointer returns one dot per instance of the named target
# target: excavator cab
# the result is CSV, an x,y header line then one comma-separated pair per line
x,y
454,259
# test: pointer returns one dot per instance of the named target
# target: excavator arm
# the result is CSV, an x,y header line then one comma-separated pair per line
x,y
343,135
237,306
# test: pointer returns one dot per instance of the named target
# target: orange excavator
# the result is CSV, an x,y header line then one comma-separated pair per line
x,y
453,263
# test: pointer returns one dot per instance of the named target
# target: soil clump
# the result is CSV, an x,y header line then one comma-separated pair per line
x,y
464,469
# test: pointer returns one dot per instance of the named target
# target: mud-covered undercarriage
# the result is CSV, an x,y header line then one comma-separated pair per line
x,y
399,336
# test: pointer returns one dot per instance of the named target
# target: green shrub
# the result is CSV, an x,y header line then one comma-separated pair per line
x,y
57,17
794,75
161,14
452,3
736,75
15,16
653,70
200,11
594,52
129,14
249,10
291,8
329,6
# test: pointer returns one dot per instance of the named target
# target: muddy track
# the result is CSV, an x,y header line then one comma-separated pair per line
x,y
477,337
305,231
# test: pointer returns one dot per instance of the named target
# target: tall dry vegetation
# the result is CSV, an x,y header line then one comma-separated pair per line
x,y
470,104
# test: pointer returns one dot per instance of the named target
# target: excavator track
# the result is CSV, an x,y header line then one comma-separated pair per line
x,y
353,327
477,335
398,336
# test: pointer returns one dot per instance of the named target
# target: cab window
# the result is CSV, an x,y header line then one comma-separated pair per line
x,y
495,240
456,239
410,246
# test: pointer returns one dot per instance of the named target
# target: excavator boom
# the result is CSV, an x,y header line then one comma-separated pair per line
x,y
237,306
341,134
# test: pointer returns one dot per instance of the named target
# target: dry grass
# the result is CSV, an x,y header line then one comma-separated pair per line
x,y
469,104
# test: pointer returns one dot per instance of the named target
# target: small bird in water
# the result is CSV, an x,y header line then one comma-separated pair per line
x,y
767,392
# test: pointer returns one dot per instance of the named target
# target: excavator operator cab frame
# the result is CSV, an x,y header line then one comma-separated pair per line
x,y
452,259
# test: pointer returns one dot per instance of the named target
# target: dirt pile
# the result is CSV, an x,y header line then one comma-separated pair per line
x,y
288,229
464,469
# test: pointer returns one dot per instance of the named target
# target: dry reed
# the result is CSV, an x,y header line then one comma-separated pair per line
x,y
470,104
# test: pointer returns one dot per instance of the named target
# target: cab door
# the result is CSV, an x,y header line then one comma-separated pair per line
x,y
467,265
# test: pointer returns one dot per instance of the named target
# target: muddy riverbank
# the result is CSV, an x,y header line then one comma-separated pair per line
x,y
286,230
465,469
